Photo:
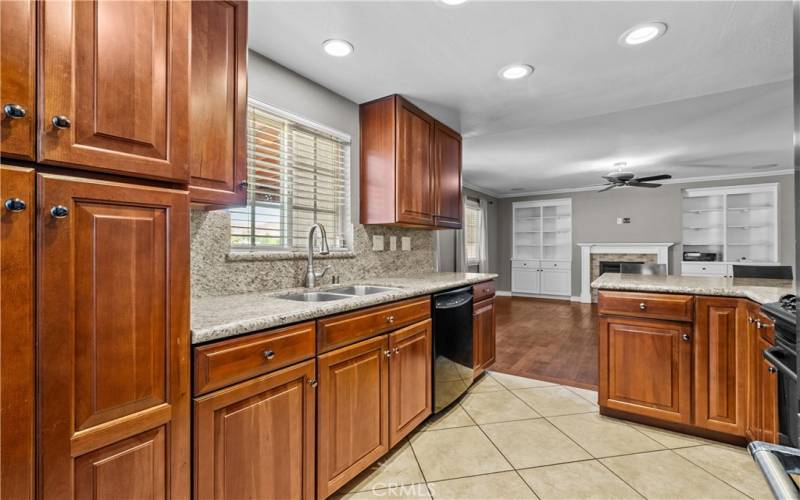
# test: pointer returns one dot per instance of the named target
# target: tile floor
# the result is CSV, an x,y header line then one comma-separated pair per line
x,y
514,438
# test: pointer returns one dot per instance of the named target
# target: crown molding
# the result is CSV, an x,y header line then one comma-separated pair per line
x,y
487,192
685,180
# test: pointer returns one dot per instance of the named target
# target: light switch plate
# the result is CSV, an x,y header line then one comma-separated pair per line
x,y
406,242
392,243
619,220
377,243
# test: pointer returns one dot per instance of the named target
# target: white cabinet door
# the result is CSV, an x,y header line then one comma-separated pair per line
x,y
555,282
525,280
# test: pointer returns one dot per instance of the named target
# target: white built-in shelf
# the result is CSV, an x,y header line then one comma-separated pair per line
x,y
747,209
702,211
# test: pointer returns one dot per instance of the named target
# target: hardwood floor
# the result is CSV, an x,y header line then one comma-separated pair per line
x,y
553,340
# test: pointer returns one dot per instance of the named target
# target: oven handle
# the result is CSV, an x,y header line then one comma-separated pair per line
x,y
773,355
775,461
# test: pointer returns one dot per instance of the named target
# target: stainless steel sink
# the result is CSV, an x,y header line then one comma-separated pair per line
x,y
361,290
314,296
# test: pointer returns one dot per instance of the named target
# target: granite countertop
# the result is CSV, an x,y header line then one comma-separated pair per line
x,y
757,289
217,317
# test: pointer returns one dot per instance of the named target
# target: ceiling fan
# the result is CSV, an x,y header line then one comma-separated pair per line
x,y
621,178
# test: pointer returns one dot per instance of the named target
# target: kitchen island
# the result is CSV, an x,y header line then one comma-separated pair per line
x,y
685,353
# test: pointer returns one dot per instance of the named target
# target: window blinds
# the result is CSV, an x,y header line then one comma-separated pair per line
x,y
472,217
297,175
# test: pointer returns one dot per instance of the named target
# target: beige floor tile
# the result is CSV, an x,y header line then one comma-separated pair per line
x,y
486,384
515,382
669,439
453,453
664,474
603,436
500,406
585,393
577,480
405,492
448,391
552,401
734,466
501,486
455,416
397,468
533,443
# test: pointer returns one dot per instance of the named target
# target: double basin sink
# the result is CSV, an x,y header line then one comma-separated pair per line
x,y
345,292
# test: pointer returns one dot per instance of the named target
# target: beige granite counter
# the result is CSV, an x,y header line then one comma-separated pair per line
x,y
217,317
757,289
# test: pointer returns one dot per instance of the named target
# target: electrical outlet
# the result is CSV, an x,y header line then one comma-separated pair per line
x,y
377,243
406,242
392,243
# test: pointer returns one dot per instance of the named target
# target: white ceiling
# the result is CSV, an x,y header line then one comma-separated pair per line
x,y
590,101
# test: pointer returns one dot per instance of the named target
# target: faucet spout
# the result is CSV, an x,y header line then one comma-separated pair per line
x,y
311,276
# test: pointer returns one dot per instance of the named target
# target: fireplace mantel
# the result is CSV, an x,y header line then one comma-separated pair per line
x,y
661,250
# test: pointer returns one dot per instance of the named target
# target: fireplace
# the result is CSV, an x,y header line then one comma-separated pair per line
x,y
613,266
592,254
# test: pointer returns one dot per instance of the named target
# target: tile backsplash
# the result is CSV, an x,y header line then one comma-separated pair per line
x,y
215,271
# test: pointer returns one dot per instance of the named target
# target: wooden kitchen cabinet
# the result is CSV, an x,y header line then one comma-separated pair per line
x,y
17,384
113,339
762,379
218,103
645,367
18,79
483,335
352,411
720,364
256,439
768,402
410,382
410,167
114,86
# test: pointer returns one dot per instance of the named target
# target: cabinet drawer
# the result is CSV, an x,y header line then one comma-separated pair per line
x,y
525,264
343,329
646,305
704,268
223,363
483,291
555,264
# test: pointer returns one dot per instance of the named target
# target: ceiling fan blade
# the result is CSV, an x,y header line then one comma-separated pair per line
x,y
607,187
643,184
608,177
661,177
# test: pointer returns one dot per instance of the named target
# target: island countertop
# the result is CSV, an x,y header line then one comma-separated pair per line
x,y
759,290
218,317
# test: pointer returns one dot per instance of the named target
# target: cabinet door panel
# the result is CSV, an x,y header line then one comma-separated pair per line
x,y
18,78
414,173
645,368
17,384
218,102
352,412
768,403
119,71
483,335
525,281
556,282
113,324
447,177
256,439
410,379
720,365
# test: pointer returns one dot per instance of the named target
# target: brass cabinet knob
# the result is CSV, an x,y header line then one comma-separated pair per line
x,y
269,354
387,353
390,319
642,306
15,205
61,121
686,337
312,382
15,111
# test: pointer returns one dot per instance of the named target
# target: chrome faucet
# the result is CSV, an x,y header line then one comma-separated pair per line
x,y
311,276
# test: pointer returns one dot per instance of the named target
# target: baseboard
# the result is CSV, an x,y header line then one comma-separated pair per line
x,y
575,298
537,296
503,293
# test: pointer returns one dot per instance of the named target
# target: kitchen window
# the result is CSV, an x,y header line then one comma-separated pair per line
x,y
472,231
297,176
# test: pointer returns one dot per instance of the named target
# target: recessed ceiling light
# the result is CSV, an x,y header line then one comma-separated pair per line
x,y
642,33
337,48
453,2
516,71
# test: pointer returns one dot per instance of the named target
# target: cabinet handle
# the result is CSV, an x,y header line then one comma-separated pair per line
x,y
61,121
642,306
59,211
312,382
686,337
772,369
751,320
397,350
15,205
390,319
387,353
14,111
269,354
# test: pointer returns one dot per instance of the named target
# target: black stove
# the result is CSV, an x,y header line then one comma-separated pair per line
x,y
784,314
783,357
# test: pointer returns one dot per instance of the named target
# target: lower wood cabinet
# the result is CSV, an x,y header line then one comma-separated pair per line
x,y
762,380
410,398
645,367
256,439
483,335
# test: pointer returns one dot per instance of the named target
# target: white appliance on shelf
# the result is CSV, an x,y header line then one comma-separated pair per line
x,y
737,223
541,262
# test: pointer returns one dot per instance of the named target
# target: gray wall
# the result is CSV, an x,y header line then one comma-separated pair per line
x,y
655,217
447,240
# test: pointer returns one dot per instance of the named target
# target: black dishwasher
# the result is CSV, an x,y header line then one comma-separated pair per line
x,y
452,346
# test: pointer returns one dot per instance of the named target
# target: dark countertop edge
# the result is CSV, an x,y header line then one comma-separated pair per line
x,y
276,321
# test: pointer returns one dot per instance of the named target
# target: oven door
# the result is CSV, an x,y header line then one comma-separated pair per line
x,y
784,361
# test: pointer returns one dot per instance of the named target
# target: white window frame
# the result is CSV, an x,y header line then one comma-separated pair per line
x,y
472,205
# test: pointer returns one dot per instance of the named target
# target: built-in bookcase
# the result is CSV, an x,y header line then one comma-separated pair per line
x,y
738,223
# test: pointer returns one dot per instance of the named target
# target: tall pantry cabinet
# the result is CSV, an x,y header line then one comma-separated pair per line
x,y
98,93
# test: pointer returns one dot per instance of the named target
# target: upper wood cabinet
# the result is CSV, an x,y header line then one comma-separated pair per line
x,y
17,384
410,397
256,439
410,167
218,103
113,339
114,86
17,79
